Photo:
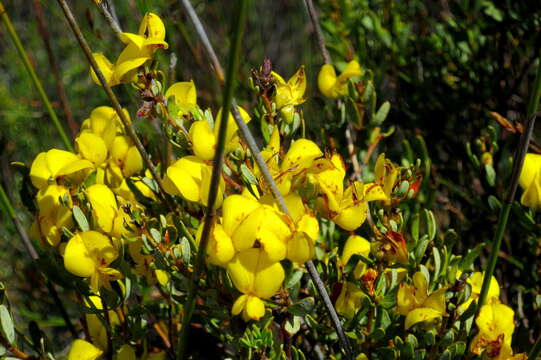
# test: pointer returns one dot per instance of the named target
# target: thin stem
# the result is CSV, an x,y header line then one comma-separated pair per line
x,y
534,353
44,33
252,145
35,80
112,97
216,175
518,161
205,39
10,212
113,23
317,29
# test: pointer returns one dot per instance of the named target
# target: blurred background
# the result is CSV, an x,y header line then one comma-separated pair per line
x,y
443,65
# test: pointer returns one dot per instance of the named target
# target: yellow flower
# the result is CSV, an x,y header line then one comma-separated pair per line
x,y
53,213
189,177
290,94
83,350
92,148
349,300
184,94
386,174
476,282
496,327
530,181
139,49
292,170
257,277
51,166
414,301
347,208
204,139
356,245
104,122
125,160
88,254
300,248
332,86
220,249
105,211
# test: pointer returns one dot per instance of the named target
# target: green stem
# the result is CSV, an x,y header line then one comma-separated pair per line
x,y
534,353
517,167
230,83
10,212
35,80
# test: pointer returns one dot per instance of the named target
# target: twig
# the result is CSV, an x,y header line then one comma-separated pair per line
x,y
72,124
110,94
518,161
252,145
534,353
113,22
317,29
205,39
230,83
327,59
14,350
10,212
35,80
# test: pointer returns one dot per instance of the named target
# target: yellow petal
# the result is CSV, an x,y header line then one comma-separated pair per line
x,y
476,282
242,270
152,27
352,69
269,276
421,314
300,155
184,178
104,206
254,308
129,38
206,174
83,350
436,301
39,171
101,248
349,300
133,162
106,69
203,140
405,299
300,248
274,247
239,305
77,259
495,319
129,60
531,167
57,160
184,93
92,147
309,225
356,245
352,217
220,249
231,123
326,81
373,192
248,230
297,83
531,196
104,122
421,283
235,209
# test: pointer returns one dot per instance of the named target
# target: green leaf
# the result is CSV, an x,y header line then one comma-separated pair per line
x,y
467,261
6,322
494,203
437,263
414,227
302,307
490,175
186,251
156,235
430,223
294,279
80,218
292,326
421,248
382,113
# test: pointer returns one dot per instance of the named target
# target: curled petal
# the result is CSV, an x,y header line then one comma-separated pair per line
x,y
104,206
184,93
235,209
203,140
77,259
254,308
421,314
352,217
83,350
300,156
300,248
92,147
326,81
106,69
